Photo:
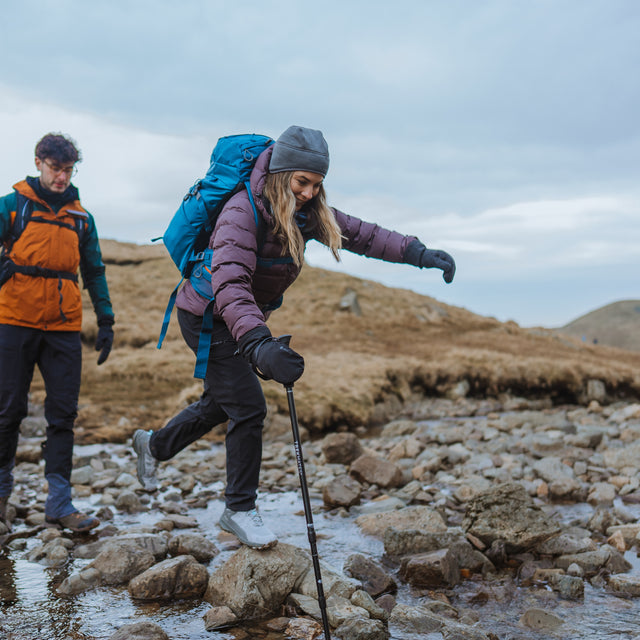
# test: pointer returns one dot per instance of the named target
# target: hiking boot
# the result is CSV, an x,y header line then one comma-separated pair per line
x,y
147,464
248,527
77,522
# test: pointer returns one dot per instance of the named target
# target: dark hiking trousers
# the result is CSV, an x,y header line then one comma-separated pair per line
x,y
232,392
58,355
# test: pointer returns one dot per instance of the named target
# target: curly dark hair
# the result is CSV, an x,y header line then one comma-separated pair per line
x,y
59,148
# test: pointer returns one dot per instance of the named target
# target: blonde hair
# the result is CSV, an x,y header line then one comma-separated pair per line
x,y
283,206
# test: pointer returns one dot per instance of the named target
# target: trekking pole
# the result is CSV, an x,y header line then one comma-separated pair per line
x,y
311,532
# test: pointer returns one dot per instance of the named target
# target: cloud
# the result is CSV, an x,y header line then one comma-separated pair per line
x,y
506,133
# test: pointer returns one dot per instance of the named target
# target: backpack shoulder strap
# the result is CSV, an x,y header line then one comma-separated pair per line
x,y
24,209
80,220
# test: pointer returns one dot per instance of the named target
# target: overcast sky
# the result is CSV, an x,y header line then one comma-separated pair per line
x,y
506,132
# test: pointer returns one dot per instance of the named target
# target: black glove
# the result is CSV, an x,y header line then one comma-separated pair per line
x,y
271,357
104,341
419,256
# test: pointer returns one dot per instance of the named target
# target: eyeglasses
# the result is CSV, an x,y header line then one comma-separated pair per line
x,y
69,171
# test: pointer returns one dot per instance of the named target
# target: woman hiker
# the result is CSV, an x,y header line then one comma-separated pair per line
x,y
288,191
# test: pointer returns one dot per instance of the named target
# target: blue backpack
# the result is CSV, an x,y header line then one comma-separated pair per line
x,y
187,236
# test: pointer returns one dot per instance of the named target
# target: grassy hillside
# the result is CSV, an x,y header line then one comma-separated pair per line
x,y
615,325
359,368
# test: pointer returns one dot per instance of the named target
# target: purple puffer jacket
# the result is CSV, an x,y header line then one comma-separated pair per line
x,y
245,281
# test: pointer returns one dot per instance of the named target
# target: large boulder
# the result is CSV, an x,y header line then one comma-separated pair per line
x,y
507,514
254,584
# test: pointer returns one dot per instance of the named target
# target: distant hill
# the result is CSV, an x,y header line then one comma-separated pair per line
x,y
615,325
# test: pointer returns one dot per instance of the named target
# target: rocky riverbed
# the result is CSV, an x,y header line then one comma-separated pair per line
x,y
492,519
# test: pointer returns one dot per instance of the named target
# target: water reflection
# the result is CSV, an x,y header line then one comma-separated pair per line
x,y
31,609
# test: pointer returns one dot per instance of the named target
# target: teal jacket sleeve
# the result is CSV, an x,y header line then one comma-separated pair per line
x,y
92,270
7,205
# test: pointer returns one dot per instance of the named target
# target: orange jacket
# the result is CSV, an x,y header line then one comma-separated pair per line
x,y
49,241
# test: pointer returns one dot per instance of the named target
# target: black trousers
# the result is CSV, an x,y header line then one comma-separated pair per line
x,y
231,392
58,355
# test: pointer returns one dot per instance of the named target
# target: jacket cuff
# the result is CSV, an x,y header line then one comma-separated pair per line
x,y
413,253
106,321
250,340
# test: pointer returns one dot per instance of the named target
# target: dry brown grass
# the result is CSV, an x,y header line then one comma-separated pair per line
x,y
358,368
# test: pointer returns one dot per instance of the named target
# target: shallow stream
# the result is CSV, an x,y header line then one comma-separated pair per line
x,y
31,609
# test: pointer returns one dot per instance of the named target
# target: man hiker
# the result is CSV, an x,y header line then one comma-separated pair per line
x,y
46,236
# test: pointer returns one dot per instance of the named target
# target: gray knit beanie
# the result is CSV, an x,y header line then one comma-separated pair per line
x,y
300,149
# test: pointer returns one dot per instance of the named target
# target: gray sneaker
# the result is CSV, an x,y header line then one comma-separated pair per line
x,y
248,527
147,464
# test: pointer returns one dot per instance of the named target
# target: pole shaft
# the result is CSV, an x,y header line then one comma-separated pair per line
x,y
311,532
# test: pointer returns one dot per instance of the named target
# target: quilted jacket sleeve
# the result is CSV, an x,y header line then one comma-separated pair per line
x,y
369,239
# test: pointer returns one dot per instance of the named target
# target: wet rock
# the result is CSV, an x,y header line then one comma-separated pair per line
x,y
84,580
54,553
420,620
570,587
407,448
616,540
601,493
363,600
381,504
140,631
592,561
362,629
340,609
307,604
119,563
373,578
182,522
508,513
154,543
468,557
601,520
129,502
254,583
83,475
541,620
341,448
193,544
418,518
402,542
180,577
334,582
219,618
559,476
386,602
628,586
303,629
619,458
374,470
567,542
343,491
398,428
433,569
